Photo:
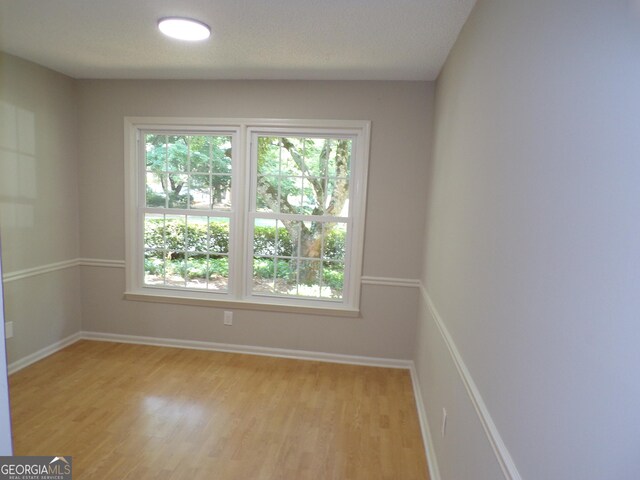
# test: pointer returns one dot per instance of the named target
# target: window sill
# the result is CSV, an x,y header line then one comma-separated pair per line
x,y
242,305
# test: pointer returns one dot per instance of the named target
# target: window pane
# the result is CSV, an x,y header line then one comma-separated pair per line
x,y
264,237
154,267
267,194
197,270
196,234
188,171
177,153
200,191
313,155
303,176
308,258
328,149
293,175
310,240
335,238
263,275
309,278
332,280
286,277
290,196
336,201
200,153
154,232
154,190
176,265
156,153
312,196
221,192
218,235
291,156
218,273
178,186
268,156
339,162
221,161
288,238
175,230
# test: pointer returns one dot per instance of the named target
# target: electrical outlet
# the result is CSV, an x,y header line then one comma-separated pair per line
x,y
8,329
228,318
444,422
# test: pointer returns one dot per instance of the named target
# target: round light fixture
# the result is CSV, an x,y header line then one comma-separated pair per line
x,y
184,28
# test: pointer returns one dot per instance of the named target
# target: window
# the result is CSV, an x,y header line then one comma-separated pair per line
x,y
250,211
186,206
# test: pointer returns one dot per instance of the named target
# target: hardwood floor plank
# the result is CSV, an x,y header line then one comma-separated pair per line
x,y
136,412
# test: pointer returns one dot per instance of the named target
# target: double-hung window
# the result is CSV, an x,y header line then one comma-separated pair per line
x,y
250,212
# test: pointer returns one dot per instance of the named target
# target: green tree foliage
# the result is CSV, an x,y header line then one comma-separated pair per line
x,y
175,160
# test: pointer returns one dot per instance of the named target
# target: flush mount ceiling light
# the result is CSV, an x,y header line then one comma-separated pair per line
x,y
184,28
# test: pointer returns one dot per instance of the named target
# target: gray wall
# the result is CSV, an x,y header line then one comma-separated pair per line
x,y
400,113
61,198
38,202
532,245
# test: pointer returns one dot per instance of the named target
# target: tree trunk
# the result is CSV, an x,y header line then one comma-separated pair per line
x,y
310,248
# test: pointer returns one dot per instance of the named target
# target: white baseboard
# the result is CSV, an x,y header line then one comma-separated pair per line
x,y
42,353
212,346
251,350
429,449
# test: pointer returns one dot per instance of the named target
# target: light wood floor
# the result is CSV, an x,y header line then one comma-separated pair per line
x,y
137,412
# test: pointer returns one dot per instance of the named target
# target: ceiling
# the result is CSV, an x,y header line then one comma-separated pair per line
x,y
251,39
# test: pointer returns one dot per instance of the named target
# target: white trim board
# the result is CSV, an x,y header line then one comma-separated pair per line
x,y
497,444
429,449
54,267
32,272
211,346
250,350
100,262
391,282
43,353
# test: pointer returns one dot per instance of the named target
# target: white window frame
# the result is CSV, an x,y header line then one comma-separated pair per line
x,y
242,131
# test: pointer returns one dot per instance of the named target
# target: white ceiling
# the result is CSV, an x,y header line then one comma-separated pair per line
x,y
251,39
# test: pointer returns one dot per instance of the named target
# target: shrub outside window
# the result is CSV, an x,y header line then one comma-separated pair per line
x,y
249,211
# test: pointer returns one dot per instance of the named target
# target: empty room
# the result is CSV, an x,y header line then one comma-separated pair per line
x,y
320,240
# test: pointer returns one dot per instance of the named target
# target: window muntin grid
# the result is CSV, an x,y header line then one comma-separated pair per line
x,y
188,171
187,210
186,251
301,192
